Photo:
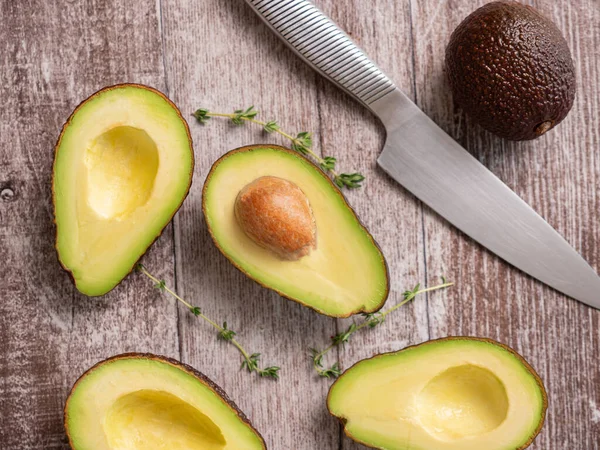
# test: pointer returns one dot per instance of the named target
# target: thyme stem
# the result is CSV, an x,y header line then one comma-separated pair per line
x,y
250,360
371,321
302,142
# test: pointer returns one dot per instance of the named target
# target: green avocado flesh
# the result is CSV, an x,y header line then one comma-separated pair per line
x,y
147,402
450,394
344,275
123,165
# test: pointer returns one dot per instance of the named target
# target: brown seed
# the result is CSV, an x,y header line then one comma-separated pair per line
x,y
276,215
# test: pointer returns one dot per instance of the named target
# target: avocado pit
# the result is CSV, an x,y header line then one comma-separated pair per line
x,y
275,214
327,280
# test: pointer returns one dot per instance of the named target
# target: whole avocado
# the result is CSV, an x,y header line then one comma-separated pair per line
x,y
511,70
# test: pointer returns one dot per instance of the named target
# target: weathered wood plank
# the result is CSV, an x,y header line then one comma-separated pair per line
x,y
559,176
394,216
220,56
52,56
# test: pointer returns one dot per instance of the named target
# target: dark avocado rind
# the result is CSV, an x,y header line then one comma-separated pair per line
x,y
56,154
179,365
337,191
510,69
522,360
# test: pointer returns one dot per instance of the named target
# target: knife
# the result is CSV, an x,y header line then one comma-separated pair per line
x,y
429,163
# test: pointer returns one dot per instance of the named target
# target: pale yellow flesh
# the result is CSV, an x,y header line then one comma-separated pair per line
x,y
122,169
137,404
454,395
155,420
345,274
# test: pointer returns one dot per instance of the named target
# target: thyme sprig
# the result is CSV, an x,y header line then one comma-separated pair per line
x,y
301,143
370,321
250,362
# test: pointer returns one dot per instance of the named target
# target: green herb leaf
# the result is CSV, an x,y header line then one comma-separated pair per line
x,y
410,294
371,320
344,336
374,319
302,143
271,126
240,115
333,372
317,358
226,334
250,362
349,180
201,115
328,163
270,372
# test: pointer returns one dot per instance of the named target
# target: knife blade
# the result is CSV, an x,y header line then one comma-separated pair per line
x,y
428,162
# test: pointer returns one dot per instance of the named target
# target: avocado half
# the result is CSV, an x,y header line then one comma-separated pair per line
x,y
456,393
123,165
347,272
140,401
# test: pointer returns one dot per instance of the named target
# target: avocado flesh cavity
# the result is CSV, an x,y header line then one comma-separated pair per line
x,y
147,418
449,394
345,274
123,166
145,402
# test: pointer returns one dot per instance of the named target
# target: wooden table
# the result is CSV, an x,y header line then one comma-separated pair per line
x,y
217,54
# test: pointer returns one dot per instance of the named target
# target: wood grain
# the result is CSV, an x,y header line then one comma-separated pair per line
x,y
392,214
558,175
52,56
217,54
230,63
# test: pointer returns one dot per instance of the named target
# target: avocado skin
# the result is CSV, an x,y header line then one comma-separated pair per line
x,y
184,367
511,70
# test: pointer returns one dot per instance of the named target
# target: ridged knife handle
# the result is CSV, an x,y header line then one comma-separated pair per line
x,y
323,45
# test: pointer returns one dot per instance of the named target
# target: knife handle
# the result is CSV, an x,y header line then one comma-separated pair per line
x,y
325,47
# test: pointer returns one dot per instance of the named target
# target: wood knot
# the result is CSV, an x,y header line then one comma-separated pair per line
x,y
7,194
